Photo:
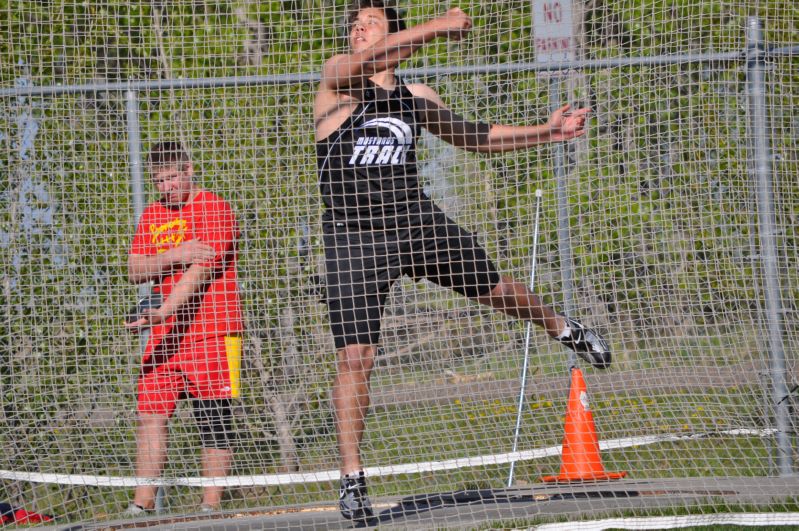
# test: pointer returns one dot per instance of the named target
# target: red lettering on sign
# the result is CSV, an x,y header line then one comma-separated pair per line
x,y
552,44
553,12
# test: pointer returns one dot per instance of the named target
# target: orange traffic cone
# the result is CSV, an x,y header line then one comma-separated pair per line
x,y
580,459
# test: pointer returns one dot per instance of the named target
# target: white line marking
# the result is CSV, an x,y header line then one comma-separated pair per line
x,y
672,522
333,475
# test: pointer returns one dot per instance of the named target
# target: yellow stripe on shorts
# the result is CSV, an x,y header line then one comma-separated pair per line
x,y
233,352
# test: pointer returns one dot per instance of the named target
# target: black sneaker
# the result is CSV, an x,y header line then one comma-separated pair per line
x,y
353,500
586,343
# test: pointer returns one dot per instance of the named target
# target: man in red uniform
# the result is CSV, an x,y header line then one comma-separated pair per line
x,y
185,243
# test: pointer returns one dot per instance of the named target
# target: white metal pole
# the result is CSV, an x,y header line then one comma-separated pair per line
x,y
527,338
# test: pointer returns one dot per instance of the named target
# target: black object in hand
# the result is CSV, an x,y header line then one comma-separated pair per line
x,y
150,302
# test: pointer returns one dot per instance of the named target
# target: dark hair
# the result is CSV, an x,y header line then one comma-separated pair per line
x,y
395,22
167,154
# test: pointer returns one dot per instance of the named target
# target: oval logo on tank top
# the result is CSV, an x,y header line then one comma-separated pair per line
x,y
383,150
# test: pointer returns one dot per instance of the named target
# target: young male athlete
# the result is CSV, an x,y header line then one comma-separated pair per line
x,y
186,244
379,225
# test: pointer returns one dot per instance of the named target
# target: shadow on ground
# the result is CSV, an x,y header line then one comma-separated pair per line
x,y
469,509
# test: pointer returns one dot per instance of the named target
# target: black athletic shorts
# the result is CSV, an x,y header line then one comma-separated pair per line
x,y
362,263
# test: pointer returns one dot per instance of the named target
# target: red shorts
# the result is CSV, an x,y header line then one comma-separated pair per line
x,y
206,369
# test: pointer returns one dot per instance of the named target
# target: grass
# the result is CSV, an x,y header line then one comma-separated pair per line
x,y
464,427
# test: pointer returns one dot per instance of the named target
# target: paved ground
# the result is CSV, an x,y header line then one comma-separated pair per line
x,y
471,509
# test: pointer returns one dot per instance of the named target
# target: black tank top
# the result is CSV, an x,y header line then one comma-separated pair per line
x,y
367,167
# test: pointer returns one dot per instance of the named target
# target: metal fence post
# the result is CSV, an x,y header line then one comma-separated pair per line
x,y
138,199
564,238
136,175
134,152
761,156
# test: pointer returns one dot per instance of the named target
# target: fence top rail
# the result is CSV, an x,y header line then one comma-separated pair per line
x,y
783,51
298,78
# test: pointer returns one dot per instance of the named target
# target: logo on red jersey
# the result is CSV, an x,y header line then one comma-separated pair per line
x,y
168,235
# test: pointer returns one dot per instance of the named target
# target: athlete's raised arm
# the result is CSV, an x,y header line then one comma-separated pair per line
x,y
375,49
562,125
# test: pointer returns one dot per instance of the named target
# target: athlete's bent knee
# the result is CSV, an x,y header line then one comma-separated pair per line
x,y
215,422
504,288
356,358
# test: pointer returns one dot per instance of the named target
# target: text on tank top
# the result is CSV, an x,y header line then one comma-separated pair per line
x,y
367,167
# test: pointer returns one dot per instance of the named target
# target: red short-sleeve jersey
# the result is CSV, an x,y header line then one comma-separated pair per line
x,y
208,218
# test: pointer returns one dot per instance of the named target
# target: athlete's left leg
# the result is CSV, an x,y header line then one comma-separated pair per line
x,y
211,367
159,388
214,419
151,448
451,257
515,299
215,464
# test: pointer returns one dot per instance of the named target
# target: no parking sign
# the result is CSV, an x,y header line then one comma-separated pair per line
x,y
553,30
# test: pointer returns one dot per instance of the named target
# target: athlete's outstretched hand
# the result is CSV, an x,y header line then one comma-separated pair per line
x,y
565,124
455,24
